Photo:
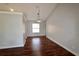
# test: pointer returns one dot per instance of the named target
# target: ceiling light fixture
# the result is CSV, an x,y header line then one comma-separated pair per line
x,y
38,14
38,21
11,9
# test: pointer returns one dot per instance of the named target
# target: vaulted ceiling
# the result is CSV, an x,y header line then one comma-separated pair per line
x,y
29,9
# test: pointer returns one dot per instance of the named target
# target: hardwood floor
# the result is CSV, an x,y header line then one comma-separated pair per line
x,y
37,46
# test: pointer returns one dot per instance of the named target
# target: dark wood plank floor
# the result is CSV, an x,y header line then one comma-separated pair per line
x,y
37,46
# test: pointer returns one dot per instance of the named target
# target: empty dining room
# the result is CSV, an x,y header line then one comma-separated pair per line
x,y
39,29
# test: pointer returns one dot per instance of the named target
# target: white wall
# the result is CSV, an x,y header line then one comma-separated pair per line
x,y
25,23
11,30
63,27
42,29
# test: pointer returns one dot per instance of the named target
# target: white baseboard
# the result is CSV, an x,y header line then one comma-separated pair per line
x,y
19,45
35,35
62,46
6,47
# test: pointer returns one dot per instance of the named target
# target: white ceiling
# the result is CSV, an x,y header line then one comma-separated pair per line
x,y
29,9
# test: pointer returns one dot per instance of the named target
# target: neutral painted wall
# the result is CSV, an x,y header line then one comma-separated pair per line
x,y
63,27
25,28
11,30
42,29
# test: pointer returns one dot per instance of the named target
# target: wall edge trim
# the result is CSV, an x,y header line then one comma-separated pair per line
x,y
63,46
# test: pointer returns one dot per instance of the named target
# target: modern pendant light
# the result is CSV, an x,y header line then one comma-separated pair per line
x,y
38,14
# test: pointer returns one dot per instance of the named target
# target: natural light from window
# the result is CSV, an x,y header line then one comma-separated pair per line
x,y
35,28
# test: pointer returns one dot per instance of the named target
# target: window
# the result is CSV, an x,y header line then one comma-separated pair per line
x,y
35,28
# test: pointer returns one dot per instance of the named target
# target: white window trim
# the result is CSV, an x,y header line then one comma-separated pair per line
x,y
35,28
